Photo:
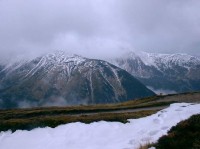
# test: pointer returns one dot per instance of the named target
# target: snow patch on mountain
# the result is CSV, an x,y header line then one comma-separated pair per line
x,y
147,58
154,59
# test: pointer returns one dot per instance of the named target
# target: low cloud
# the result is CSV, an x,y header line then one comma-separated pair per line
x,y
161,91
26,104
99,28
53,101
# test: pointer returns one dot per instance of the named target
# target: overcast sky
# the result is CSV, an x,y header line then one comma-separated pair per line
x,y
99,28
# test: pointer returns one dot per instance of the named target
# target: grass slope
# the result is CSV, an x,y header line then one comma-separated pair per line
x,y
53,121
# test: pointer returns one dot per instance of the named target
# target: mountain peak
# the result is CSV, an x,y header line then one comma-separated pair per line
x,y
62,79
153,59
61,57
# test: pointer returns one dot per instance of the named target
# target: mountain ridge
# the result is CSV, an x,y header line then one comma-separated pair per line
x,y
60,79
176,72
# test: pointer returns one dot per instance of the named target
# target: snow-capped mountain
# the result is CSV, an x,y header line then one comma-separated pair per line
x,y
170,72
61,79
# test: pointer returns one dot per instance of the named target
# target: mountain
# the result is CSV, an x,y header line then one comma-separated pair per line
x,y
59,79
163,72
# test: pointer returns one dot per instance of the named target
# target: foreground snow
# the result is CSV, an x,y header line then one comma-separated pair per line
x,y
100,135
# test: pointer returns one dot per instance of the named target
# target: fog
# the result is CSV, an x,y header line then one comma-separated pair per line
x,y
98,28
161,91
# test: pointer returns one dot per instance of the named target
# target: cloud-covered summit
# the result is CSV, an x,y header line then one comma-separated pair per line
x,y
99,28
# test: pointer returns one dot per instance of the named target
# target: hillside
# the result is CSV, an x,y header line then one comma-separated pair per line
x,y
184,135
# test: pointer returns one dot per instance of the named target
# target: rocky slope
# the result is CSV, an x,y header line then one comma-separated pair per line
x,y
166,72
59,79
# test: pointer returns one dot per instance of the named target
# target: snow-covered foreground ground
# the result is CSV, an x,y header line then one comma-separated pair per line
x,y
100,135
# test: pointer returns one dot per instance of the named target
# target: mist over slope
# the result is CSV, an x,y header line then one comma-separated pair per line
x,y
59,79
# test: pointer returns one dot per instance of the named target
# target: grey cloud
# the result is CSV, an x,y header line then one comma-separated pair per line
x,y
98,28
163,26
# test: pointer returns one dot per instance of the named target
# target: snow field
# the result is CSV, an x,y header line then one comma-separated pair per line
x,y
101,135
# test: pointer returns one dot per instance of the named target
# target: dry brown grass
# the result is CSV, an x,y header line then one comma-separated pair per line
x,y
145,146
28,123
185,135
